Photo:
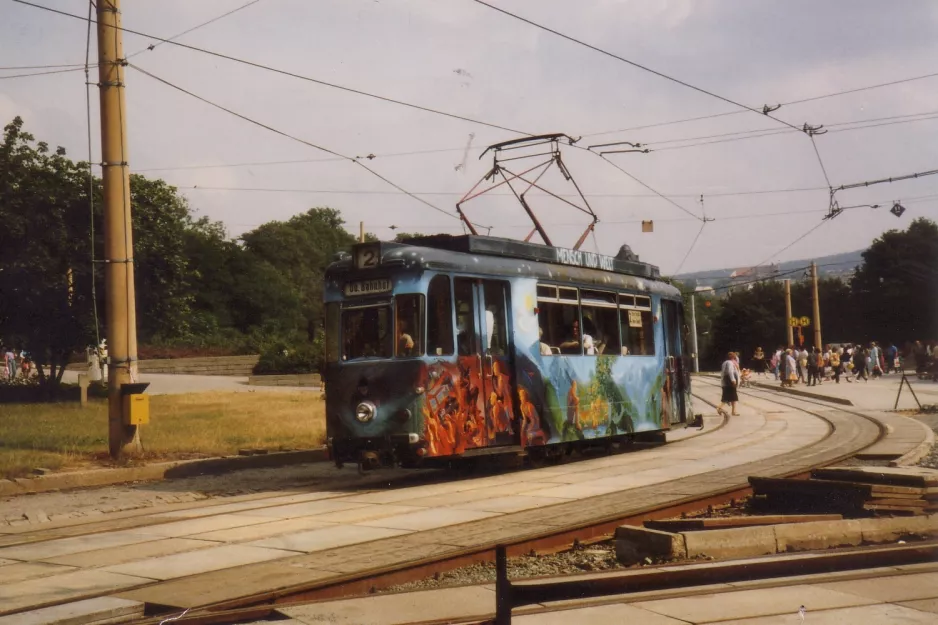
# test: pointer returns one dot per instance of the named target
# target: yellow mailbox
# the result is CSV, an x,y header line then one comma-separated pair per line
x,y
136,404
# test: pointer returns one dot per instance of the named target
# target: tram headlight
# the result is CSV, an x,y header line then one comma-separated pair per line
x,y
365,411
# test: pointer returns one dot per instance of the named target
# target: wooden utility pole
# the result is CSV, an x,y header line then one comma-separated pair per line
x,y
817,308
361,232
791,337
123,439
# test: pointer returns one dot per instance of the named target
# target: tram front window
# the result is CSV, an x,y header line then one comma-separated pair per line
x,y
367,333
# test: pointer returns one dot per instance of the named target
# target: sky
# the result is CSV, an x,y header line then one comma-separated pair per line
x,y
463,58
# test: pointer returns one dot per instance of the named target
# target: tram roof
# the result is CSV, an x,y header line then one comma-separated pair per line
x,y
500,256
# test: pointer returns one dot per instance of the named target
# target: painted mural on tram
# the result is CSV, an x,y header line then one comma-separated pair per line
x,y
458,346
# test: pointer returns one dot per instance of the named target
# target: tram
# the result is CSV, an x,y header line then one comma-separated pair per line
x,y
454,346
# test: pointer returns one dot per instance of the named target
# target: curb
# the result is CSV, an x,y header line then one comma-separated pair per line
x,y
155,472
760,540
920,451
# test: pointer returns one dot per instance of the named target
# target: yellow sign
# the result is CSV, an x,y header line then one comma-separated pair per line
x,y
799,322
794,322
805,322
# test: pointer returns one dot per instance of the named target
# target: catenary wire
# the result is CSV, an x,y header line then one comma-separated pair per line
x,y
793,243
194,28
629,62
74,67
789,103
293,138
663,197
691,248
290,74
94,288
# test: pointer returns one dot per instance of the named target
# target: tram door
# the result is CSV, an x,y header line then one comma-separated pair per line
x,y
485,361
674,360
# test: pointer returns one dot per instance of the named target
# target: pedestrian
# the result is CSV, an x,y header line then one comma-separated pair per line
x,y
818,358
875,361
860,357
802,360
892,358
836,366
9,361
812,366
729,380
758,362
791,367
777,361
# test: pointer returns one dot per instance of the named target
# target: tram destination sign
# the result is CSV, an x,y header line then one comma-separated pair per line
x,y
367,287
580,258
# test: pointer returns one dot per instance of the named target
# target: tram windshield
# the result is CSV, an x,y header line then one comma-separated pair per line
x,y
367,333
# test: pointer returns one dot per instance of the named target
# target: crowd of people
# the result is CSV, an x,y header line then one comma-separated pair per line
x,y
813,366
15,363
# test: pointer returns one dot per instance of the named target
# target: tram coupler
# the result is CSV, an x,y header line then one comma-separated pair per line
x,y
368,461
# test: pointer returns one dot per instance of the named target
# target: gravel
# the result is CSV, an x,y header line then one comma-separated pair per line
x,y
929,416
592,558
588,559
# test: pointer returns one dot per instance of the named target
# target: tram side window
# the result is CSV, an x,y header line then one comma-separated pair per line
x,y
465,319
638,328
600,323
439,317
409,334
366,333
559,320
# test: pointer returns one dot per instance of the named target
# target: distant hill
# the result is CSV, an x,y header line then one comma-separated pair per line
x,y
833,266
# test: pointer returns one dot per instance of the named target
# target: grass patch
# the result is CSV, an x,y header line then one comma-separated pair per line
x,y
57,436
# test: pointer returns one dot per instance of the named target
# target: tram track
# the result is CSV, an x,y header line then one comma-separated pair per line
x,y
844,438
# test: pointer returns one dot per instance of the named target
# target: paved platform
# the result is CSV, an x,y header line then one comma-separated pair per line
x,y
196,555
875,394
881,596
906,439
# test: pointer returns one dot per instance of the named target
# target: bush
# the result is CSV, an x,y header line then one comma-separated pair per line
x,y
28,391
281,359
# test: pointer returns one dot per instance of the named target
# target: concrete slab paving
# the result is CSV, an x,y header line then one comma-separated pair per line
x,y
201,561
264,530
613,613
924,605
327,538
59,588
752,603
510,504
94,611
119,555
365,513
897,588
427,519
74,544
574,491
207,588
395,609
29,570
189,527
307,508
882,614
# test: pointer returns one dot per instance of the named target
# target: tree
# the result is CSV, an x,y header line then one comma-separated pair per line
x,y
896,287
161,220
749,318
45,269
301,248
